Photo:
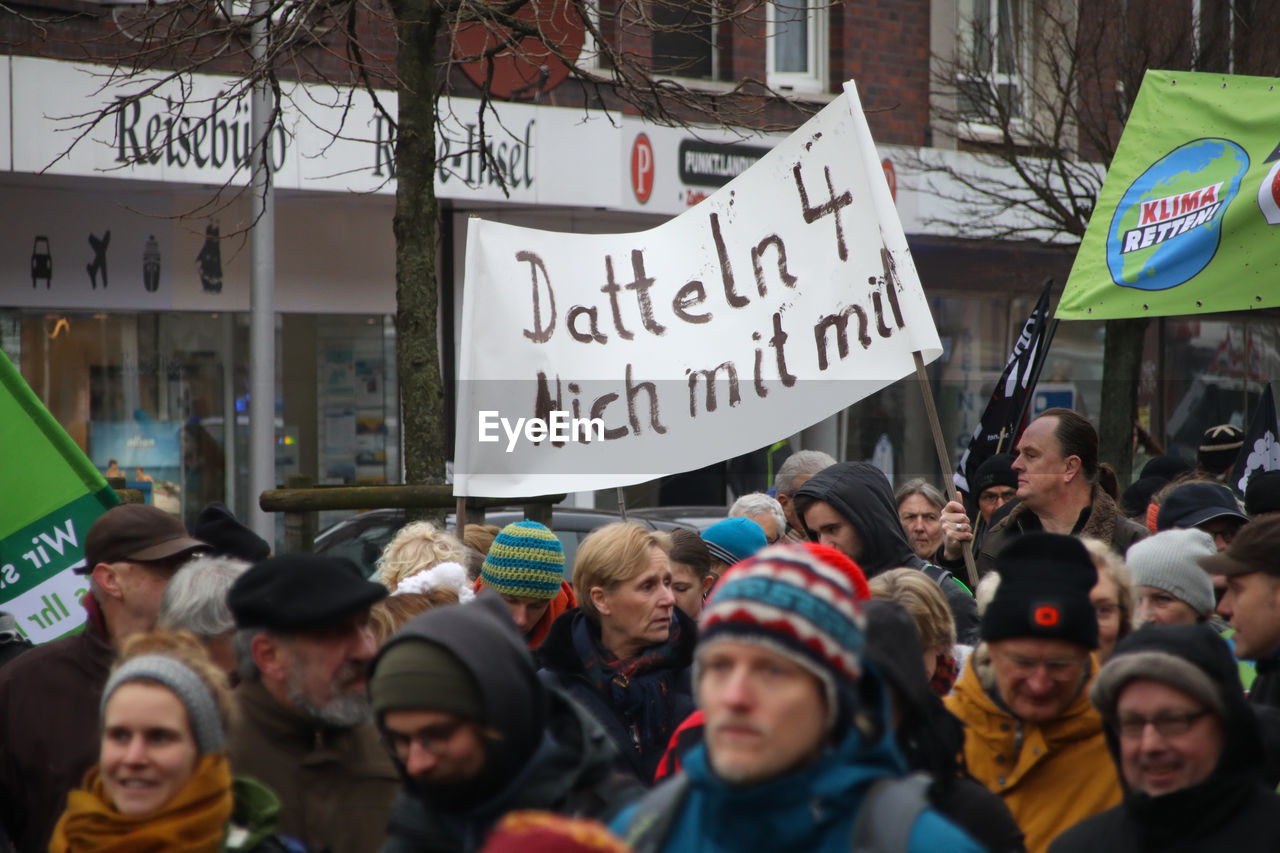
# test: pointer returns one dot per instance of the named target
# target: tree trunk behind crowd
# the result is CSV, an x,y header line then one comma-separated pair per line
x,y
417,238
1121,369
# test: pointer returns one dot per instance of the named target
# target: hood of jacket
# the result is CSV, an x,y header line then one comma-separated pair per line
x,y
1196,809
482,635
861,493
928,736
572,771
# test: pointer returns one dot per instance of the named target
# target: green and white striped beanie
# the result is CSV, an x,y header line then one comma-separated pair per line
x,y
526,560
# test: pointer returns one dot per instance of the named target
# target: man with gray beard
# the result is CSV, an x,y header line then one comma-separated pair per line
x,y
304,726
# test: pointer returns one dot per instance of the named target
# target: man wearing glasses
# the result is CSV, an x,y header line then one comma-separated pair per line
x,y
1187,746
464,716
1031,735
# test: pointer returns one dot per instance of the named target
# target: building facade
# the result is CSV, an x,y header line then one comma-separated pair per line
x,y
125,268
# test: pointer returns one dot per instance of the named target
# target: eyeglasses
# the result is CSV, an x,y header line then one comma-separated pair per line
x,y
433,739
989,497
1167,724
1058,669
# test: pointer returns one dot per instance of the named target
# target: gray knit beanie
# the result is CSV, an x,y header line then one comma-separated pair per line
x,y
1168,561
202,709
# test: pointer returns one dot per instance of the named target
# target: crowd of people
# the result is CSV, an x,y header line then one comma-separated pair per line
x,y
817,671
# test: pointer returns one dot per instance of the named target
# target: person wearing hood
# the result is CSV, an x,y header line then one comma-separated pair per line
x,y
1187,747
476,735
928,735
1031,735
796,754
850,507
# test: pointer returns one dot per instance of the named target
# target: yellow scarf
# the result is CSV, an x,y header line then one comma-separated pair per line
x,y
194,820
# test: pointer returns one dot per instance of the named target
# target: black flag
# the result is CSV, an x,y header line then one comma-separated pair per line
x,y
1001,423
1261,448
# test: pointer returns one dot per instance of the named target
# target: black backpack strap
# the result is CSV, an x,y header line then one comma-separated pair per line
x,y
889,813
651,823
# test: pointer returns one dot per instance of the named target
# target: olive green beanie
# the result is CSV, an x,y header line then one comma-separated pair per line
x,y
423,676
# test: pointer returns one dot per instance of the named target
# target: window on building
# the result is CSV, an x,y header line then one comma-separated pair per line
x,y
685,39
995,60
797,36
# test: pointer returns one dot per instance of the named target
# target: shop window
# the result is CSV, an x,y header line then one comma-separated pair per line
x,y
797,37
992,79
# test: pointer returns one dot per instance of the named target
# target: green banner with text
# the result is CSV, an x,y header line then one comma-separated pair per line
x,y
50,494
1188,220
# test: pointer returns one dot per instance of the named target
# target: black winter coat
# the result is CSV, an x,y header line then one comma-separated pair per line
x,y
573,773
1232,810
563,668
551,755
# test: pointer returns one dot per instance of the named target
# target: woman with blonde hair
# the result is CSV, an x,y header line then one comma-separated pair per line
x,y
438,586
920,596
163,780
625,653
417,546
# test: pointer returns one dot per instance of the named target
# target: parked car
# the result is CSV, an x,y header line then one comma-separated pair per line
x,y
362,538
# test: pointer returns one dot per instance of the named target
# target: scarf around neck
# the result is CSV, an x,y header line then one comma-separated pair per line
x,y
639,689
194,820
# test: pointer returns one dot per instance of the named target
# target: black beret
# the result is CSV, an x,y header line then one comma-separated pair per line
x,y
300,592
217,526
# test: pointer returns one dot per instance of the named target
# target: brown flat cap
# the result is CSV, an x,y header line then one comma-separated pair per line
x,y
1256,548
136,532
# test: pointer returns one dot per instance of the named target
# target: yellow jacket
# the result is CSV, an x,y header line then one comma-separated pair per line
x,y
1051,775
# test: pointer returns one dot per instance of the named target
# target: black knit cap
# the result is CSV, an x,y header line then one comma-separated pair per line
x,y
301,592
1218,447
1045,579
995,471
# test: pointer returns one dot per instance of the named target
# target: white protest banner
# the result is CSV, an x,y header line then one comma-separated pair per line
x,y
594,361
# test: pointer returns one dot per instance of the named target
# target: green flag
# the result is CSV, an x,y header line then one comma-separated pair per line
x,y
1188,220
50,494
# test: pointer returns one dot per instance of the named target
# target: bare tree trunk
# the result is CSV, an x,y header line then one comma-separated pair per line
x,y
1121,369
417,237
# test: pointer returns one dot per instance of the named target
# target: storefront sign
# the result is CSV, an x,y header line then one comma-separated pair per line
x,y
708,164
591,361
1186,222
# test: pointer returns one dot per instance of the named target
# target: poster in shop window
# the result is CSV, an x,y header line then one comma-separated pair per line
x,y
1188,220
592,361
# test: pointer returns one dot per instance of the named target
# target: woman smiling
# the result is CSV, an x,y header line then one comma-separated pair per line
x,y
625,652
163,781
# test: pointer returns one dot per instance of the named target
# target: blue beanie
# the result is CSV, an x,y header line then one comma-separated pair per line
x,y
734,539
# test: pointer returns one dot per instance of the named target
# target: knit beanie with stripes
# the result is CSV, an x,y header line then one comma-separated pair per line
x,y
526,560
790,601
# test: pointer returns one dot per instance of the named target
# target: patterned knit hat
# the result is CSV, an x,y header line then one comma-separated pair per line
x,y
791,602
526,560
